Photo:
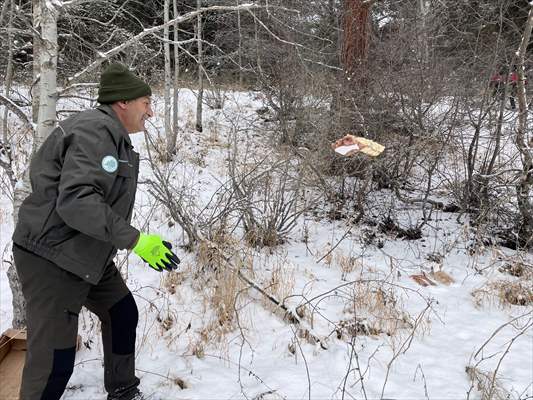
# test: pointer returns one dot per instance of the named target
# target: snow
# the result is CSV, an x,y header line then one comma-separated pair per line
x,y
265,358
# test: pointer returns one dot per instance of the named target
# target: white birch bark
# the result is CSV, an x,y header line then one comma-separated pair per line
x,y
523,188
9,70
240,45
175,109
36,16
45,123
199,99
48,80
168,82
19,305
3,12
424,51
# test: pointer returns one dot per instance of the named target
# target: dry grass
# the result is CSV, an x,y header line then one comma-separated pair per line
x,y
282,280
375,308
505,293
329,255
347,264
224,296
220,284
518,269
513,291
171,280
372,303
487,384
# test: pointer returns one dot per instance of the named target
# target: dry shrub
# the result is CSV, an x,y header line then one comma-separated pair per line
x,y
260,237
355,327
190,120
224,296
171,280
518,269
197,348
211,255
328,259
166,322
506,293
218,279
281,284
375,308
347,264
487,384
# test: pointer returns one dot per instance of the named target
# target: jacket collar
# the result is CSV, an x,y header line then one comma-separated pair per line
x,y
107,109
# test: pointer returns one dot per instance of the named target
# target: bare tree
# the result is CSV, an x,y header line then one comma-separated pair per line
x,y
168,82
175,104
523,188
9,70
200,56
36,70
48,72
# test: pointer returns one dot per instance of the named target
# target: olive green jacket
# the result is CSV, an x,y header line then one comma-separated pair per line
x,y
83,179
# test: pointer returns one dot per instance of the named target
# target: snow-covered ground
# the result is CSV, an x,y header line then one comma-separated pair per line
x,y
435,331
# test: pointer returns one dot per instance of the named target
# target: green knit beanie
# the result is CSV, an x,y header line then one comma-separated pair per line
x,y
118,83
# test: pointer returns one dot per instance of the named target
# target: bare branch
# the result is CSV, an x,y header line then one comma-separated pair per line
x,y
193,14
19,112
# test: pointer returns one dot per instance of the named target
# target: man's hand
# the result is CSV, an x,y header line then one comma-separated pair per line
x,y
156,252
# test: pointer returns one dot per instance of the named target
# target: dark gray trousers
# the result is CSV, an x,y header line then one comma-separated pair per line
x,y
54,298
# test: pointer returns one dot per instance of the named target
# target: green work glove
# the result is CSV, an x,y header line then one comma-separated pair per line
x,y
156,252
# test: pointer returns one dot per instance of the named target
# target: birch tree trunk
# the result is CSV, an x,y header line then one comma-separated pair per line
x,y
199,100
45,124
19,305
240,45
523,188
9,70
48,66
175,109
424,45
36,16
3,12
168,82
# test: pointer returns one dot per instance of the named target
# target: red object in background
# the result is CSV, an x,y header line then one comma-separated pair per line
x,y
496,78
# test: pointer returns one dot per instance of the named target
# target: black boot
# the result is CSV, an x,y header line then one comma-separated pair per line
x,y
127,394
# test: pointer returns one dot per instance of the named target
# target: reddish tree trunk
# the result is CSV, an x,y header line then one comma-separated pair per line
x,y
356,28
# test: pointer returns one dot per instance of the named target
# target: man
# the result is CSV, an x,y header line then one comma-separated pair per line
x,y
84,179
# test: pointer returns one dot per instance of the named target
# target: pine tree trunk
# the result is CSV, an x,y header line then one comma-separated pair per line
x,y
353,59
356,28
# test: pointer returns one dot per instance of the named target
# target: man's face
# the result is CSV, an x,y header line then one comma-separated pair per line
x,y
136,112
